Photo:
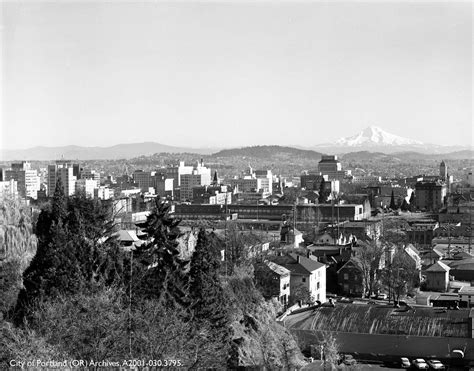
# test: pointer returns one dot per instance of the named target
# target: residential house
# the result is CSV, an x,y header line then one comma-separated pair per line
x,y
273,280
290,235
437,277
350,278
413,259
328,239
305,272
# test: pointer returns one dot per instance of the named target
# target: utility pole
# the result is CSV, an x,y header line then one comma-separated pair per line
x,y
469,228
225,237
294,222
130,306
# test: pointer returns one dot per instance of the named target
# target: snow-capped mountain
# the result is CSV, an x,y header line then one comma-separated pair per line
x,y
375,136
375,139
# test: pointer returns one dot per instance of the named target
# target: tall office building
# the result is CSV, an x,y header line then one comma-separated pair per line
x,y
200,176
64,170
443,170
175,172
28,181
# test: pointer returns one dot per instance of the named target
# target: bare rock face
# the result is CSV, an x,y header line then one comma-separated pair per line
x,y
17,248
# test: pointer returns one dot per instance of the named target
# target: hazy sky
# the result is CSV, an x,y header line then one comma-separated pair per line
x,y
234,73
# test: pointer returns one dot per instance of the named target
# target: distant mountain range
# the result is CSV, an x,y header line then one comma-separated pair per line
x,y
119,151
375,139
278,152
371,140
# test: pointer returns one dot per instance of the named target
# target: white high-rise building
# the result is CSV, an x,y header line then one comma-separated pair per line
x,y
87,186
200,176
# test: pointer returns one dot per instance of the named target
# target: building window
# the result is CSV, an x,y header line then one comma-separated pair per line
x,y
303,279
346,276
317,286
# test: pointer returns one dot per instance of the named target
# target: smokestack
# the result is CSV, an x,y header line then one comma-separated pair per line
x,y
298,259
308,254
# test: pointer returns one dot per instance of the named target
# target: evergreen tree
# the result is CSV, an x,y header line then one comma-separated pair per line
x,y
205,290
412,201
209,304
74,249
404,206
59,207
161,272
393,205
323,192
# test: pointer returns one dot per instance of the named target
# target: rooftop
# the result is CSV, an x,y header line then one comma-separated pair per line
x,y
304,267
466,290
438,267
278,269
377,319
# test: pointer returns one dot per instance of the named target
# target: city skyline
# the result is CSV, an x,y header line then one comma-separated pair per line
x,y
198,74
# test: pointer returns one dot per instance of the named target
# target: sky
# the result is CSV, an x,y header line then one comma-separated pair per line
x,y
225,74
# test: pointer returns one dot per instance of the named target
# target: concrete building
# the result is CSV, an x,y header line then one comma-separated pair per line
x,y
265,174
443,171
213,195
9,187
65,170
366,180
329,164
28,181
311,181
200,176
331,167
104,193
249,185
87,186
89,174
430,195
175,172
143,179
162,184
68,180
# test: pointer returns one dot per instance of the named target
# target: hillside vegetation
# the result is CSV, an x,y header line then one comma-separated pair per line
x,y
84,297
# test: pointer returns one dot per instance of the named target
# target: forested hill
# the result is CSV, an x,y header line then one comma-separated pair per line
x,y
268,152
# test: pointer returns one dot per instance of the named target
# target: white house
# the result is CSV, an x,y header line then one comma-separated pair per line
x,y
305,272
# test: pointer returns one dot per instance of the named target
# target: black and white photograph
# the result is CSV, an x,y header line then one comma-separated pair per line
x,y
236,185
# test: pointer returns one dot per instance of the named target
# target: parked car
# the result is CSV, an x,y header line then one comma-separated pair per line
x,y
345,300
348,360
420,364
381,296
405,362
435,364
